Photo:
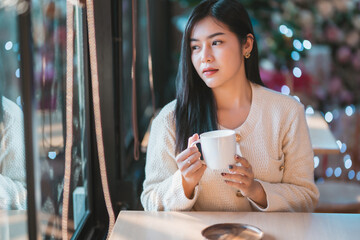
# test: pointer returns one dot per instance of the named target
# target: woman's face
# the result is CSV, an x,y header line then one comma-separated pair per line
x,y
216,53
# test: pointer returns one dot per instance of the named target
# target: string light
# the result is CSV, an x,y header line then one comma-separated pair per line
x,y
339,143
351,174
348,163
358,176
329,172
307,44
329,117
16,47
297,72
309,110
283,29
298,45
8,45
350,110
297,98
316,161
337,172
295,55
289,33
320,180
336,113
18,101
52,155
17,73
285,90
343,148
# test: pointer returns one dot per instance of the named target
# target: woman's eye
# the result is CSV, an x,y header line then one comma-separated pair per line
x,y
194,47
217,42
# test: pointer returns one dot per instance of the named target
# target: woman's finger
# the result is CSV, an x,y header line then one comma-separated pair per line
x,y
234,169
185,154
192,169
237,185
237,178
192,139
186,163
243,161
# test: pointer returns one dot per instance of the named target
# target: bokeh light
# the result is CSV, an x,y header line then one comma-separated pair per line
x,y
329,172
309,110
298,45
316,161
337,172
343,148
297,72
329,117
285,90
17,73
307,44
295,55
8,45
351,174
350,110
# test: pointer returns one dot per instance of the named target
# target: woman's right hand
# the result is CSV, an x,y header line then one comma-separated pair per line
x,y
191,167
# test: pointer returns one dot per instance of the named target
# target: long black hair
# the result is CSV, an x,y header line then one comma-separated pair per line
x,y
195,106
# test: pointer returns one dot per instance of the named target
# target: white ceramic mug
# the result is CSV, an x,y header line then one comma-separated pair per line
x,y
218,148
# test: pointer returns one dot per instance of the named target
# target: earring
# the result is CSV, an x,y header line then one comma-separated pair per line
x,y
247,55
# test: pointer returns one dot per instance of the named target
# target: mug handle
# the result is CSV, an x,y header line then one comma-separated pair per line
x,y
196,142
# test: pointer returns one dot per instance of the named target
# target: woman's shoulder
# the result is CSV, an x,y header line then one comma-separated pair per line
x,y
277,99
166,114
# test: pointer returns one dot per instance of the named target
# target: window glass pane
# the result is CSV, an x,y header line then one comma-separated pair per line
x,y
49,38
13,194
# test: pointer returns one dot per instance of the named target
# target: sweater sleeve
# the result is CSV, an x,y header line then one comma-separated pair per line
x,y
297,191
12,161
162,188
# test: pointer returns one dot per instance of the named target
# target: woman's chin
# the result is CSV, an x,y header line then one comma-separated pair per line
x,y
211,83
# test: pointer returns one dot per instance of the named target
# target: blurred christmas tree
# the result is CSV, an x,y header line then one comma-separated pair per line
x,y
312,47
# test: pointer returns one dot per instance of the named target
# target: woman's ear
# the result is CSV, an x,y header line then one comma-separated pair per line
x,y
248,45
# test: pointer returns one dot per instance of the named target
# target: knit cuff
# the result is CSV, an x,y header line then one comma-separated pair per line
x,y
184,203
257,206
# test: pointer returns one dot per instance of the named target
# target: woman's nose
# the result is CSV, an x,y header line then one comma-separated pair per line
x,y
206,55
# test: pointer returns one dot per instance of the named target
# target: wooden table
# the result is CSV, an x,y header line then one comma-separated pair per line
x,y
339,197
188,225
322,139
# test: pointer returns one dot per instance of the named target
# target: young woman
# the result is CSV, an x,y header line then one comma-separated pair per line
x,y
219,87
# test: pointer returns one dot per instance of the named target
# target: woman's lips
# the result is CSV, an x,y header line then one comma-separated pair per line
x,y
209,72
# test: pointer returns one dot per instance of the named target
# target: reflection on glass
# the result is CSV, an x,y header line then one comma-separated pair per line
x,y
49,37
12,149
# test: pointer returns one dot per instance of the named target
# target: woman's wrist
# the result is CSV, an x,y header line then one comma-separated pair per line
x,y
258,195
189,189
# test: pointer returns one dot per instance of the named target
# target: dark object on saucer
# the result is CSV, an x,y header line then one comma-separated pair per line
x,y
232,231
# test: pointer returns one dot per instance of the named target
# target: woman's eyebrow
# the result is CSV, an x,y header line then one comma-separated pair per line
x,y
208,37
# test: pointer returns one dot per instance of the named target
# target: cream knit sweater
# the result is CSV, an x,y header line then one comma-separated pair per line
x,y
275,141
12,158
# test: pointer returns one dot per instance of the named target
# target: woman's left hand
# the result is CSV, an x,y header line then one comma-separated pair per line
x,y
242,178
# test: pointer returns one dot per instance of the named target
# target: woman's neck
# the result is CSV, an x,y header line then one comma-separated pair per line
x,y
233,96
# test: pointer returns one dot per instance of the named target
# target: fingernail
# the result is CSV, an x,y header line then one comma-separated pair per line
x,y
231,166
223,174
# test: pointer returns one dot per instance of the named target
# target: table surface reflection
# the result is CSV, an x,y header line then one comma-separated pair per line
x,y
13,225
188,225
